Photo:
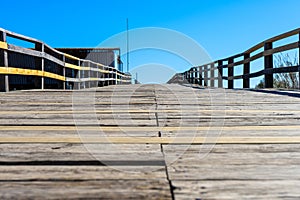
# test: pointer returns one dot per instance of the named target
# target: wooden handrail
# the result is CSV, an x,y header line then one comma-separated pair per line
x,y
69,65
267,70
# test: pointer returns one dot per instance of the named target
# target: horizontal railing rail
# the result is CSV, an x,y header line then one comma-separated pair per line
x,y
208,74
44,67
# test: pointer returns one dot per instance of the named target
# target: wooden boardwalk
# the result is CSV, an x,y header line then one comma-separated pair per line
x,y
150,142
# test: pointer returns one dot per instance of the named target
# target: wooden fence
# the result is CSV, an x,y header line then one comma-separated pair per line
x,y
211,73
43,67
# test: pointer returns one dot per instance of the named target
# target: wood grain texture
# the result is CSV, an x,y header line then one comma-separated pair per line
x,y
251,150
102,189
91,139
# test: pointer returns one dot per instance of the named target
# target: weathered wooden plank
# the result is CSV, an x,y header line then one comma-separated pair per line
x,y
135,154
94,139
148,155
112,116
239,154
79,122
102,189
221,133
140,132
80,172
237,189
145,128
181,113
235,172
232,122
170,112
164,118
22,50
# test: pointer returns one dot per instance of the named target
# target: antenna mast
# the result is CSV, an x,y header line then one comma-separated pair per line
x,y
127,28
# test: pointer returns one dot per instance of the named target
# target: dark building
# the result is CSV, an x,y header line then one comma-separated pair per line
x,y
105,56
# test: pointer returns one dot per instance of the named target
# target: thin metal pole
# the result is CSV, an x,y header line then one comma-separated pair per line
x,y
136,78
127,28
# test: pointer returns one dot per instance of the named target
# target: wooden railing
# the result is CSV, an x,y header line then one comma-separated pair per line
x,y
209,74
43,67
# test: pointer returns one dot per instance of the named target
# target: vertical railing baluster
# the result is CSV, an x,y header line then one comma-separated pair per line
x,y
90,73
79,76
246,71
43,66
5,61
200,76
220,74
39,65
196,75
230,73
268,65
212,75
64,71
192,75
205,75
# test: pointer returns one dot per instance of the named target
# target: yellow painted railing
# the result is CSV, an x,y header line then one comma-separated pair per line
x,y
30,72
3,45
69,65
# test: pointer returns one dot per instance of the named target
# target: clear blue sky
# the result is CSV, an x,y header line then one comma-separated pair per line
x,y
222,27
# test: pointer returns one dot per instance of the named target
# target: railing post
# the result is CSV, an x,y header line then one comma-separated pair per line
x,y
109,76
43,66
246,80
64,71
230,74
212,75
200,76
106,75
192,75
2,77
205,75
196,75
268,65
40,61
220,74
115,76
5,62
79,75
97,73
90,75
